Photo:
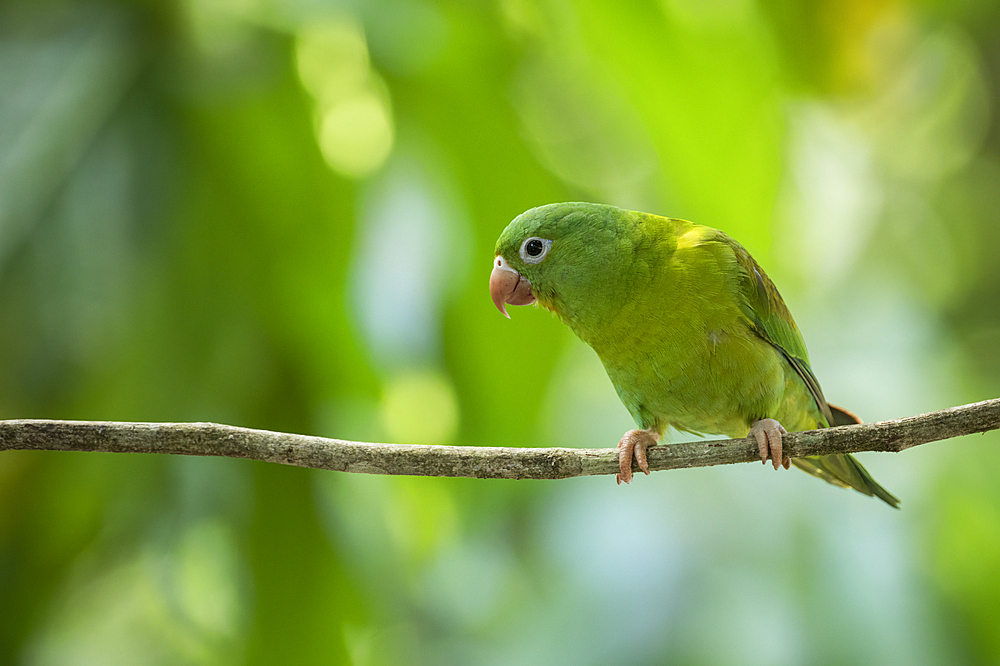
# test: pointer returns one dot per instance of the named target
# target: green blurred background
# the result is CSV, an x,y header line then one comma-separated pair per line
x,y
281,214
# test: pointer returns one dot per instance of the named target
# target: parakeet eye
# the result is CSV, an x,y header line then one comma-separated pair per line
x,y
534,249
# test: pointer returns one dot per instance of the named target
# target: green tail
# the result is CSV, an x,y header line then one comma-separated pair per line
x,y
842,469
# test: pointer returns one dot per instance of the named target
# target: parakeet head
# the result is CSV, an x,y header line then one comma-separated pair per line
x,y
562,255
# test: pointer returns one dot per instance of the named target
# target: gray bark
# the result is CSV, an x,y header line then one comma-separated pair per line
x,y
486,462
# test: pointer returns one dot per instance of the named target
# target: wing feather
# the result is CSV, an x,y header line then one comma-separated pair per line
x,y
770,319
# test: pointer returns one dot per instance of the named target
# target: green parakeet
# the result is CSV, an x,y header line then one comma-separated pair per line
x,y
692,332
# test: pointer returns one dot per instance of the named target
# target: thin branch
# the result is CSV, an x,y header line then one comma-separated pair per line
x,y
210,439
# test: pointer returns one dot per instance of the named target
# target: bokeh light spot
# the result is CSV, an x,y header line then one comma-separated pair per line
x,y
420,407
354,126
356,135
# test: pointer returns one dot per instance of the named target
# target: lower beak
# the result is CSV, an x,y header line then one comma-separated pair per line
x,y
508,286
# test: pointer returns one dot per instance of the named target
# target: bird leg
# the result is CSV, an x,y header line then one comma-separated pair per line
x,y
768,434
634,444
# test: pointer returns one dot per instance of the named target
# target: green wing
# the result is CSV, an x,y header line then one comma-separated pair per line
x,y
771,320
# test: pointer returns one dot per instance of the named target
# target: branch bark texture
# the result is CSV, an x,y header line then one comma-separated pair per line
x,y
487,462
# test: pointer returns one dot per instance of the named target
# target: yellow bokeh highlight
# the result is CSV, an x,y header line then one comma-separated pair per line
x,y
356,135
419,407
354,126
332,57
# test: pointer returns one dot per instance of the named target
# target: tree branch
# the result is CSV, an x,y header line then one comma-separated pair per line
x,y
210,439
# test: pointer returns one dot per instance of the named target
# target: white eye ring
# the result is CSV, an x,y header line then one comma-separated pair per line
x,y
534,249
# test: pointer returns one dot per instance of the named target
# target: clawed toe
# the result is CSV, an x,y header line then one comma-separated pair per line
x,y
633,445
767,433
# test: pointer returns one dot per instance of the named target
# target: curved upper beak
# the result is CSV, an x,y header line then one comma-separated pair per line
x,y
508,286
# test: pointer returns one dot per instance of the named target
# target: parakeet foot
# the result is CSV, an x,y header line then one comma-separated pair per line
x,y
634,444
768,434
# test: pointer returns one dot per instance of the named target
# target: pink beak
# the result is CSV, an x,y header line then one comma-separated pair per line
x,y
508,286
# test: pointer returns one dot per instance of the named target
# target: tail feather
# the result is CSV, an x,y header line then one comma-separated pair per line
x,y
843,469
842,416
